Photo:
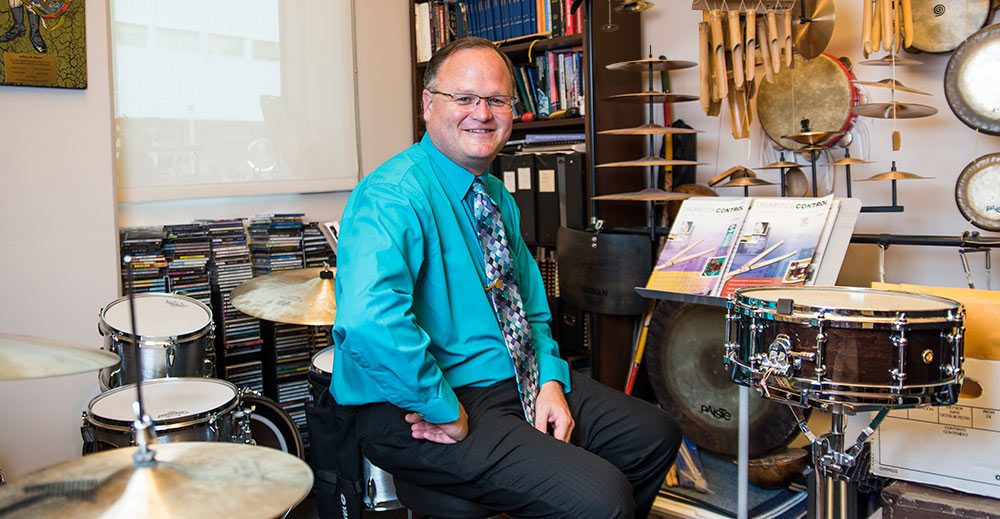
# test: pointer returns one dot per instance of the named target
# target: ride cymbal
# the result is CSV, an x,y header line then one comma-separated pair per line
x,y
650,129
781,165
24,357
651,97
891,84
657,64
303,296
887,61
646,195
192,479
650,161
811,138
850,161
747,182
895,175
894,110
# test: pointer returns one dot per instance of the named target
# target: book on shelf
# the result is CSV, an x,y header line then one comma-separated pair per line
x,y
718,245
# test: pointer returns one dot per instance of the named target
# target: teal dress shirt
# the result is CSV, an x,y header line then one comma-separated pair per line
x,y
413,318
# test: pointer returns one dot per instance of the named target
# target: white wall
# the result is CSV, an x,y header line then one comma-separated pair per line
x,y
58,217
939,146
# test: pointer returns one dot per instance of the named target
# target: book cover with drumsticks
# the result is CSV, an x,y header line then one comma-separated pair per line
x,y
776,245
700,242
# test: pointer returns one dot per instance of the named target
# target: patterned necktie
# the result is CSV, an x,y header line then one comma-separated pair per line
x,y
506,297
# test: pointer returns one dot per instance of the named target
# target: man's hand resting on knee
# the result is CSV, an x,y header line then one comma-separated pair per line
x,y
551,408
451,432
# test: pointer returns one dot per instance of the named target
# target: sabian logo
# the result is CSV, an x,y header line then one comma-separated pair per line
x,y
178,304
173,414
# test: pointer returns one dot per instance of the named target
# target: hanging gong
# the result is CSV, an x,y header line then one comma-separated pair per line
x,y
684,361
977,192
970,81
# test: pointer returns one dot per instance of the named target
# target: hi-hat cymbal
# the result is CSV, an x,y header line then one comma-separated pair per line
x,y
814,30
784,164
651,97
303,296
646,195
642,65
747,182
650,161
192,479
892,84
850,161
811,138
23,357
895,175
886,110
887,61
650,129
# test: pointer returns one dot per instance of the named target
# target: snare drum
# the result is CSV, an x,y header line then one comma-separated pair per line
x,y
175,334
182,409
270,426
858,349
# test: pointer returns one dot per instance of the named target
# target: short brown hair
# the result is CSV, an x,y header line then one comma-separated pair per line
x,y
467,43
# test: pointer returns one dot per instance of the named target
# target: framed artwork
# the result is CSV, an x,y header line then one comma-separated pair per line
x,y
43,43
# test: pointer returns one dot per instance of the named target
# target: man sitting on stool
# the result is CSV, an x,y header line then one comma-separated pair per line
x,y
442,334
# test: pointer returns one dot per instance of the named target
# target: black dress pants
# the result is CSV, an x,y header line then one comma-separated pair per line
x,y
614,465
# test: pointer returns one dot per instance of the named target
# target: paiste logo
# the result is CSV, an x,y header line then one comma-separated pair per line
x,y
939,10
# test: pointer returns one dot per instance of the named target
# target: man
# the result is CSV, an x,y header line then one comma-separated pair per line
x,y
437,293
17,29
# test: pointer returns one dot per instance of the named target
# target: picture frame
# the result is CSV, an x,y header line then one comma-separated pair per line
x,y
43,43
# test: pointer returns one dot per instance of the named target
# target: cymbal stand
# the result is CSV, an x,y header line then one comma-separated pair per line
x,y
651,170
834,463
784,187
144,437
894,208
847,170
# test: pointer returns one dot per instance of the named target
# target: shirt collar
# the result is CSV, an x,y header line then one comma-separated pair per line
x,y
456,179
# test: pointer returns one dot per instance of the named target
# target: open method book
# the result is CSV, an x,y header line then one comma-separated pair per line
x,y
751,242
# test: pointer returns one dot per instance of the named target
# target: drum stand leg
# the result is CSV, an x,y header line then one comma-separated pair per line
x,y
831,499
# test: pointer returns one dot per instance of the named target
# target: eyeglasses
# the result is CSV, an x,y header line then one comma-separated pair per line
x,y
469,102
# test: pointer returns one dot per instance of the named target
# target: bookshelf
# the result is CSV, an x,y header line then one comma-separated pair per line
x,y
599,49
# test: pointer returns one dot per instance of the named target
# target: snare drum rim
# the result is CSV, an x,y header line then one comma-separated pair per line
x,y
163,425
744,303
156,340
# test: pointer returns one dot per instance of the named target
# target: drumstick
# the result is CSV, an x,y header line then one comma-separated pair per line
x,y
640,348
685,250
765,52
907,7
718,54
685,259
772,40
788,37
755,259
887,30
866,27
750,44
705,72
736,47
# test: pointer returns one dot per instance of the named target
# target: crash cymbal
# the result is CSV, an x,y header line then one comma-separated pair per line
x,y
646,195
642,65
303,296
813,31
650,129
887,61
902,110
23,357
811,138
747,182
851,161
651,97
895,175
891,84
633,6
192,479
651,161
781,165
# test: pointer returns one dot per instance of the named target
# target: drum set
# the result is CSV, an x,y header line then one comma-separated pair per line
x,y
844,351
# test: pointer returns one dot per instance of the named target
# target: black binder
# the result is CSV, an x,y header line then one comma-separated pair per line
x,y
523,167
570,179
547,197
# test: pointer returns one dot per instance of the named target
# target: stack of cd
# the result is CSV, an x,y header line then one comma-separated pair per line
x,y
315,248
187,248
276,242
149,267
293,352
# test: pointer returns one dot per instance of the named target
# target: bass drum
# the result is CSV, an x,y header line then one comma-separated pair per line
x,y
820,90
684,359
270,426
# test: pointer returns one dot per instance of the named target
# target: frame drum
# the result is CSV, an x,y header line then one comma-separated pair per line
x,y
819,89
942,25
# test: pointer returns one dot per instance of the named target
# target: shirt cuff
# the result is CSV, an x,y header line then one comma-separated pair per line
x,y
551,367
443,409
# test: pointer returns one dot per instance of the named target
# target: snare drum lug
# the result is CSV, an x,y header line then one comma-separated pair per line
x,y
171,353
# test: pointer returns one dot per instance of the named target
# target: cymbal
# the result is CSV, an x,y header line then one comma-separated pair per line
x,y
289,296
887,61
633,6
651,97
650,161
895,175
891,84
646,195
642,65
902,110
650,129
815,147
813,31
781,165
24,357
811,138
733,172
747,181
850,161
192,479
